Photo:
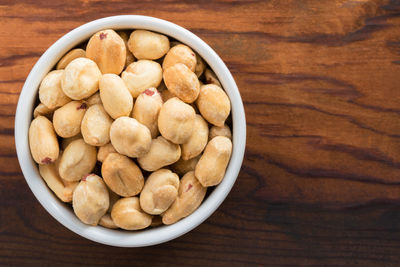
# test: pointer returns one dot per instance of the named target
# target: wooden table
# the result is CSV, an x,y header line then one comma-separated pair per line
x,y
320,182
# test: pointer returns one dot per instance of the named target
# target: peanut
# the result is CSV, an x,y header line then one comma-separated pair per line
x,y
211,78
129,137
214,104
95,127
197,141
90,199
176,120
116,98
122,175
210,169
67,119
80,78
50,92
181,167
162,153
190,195
220,131
68,57
104,151
180,54
148,45
159,191
108,50
128,215
147,108
43,141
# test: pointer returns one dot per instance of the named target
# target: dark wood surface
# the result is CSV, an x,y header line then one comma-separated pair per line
x,y
320,183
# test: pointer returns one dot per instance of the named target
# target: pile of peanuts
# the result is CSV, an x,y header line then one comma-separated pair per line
x,y
132,105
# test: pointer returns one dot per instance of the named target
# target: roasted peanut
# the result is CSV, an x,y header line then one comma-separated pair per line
x,y
104,151
95,127
50,92
214,104
128,215
42,110
68,57
80,78
122,175
162,153
129,56
90,200
147,108
50,175
176,120
220,131
210,169
69,188
67,119
107,222
200,66
190,195
129,137
108,50
66,141
180,54
141,75
182,82
94,99
159,191
148,45
211,78
115,96
181,167
77,160
197,141
43,141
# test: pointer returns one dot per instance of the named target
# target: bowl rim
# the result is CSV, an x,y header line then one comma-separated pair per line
x,y
59,210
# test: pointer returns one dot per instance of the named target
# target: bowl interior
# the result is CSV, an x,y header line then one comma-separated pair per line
x,y
64,213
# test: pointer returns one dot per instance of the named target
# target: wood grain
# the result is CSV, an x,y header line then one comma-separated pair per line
x,y
320,183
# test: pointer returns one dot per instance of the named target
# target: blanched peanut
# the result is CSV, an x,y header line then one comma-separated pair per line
x,y
107,222
211,78
129,137
108,50
77,160
147,108
50,175
162,153
210,169
90,200
197,141
42,110
43,141
180,54
94,99
182,82
66,141
141,75
80,78
176,120
67,119
50,92
69,189
220,131
68,57
181,167
148,45
122,175
128,215
214,104
129,56
159,192
116,98
200,66
190,195
95,127
104,151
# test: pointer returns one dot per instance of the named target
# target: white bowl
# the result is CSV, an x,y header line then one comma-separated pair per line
x,y
61,211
